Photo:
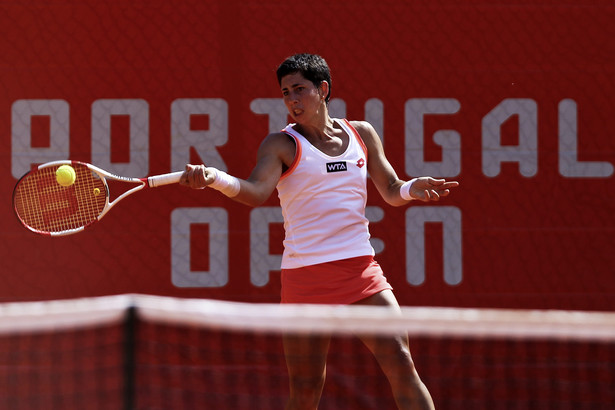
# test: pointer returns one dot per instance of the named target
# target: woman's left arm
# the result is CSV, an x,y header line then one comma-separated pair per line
x,y
385,178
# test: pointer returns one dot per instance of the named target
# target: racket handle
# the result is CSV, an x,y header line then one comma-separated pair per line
x,y
164,179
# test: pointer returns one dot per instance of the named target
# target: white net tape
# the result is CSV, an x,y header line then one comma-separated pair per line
x,y
21,317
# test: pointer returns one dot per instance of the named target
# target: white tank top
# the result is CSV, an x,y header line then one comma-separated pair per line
x,y
323,201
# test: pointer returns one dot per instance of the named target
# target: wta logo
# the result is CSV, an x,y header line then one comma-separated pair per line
x,y
336,166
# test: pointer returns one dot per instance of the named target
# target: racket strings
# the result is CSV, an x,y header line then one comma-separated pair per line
x,y
46,206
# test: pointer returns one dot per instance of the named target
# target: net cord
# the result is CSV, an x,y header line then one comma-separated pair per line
x,y
21,317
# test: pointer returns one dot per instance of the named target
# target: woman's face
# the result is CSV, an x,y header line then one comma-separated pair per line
x,y
302,99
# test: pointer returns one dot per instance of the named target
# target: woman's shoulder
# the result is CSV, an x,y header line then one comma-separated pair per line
x,y
365,129
279,139
279,144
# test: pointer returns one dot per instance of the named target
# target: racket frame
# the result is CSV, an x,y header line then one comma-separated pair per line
x,y
147,182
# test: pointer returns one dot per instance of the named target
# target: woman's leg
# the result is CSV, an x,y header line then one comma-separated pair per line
x,y
306,358
393,356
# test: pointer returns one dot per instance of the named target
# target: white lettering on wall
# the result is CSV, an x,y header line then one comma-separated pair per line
x,y
374,114
203,141
261,261
337,108
23,154
449,140
569,165
138,112
275,109
526,153
181,274
450,217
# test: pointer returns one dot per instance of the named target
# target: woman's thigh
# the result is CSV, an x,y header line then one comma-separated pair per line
x,y
306,355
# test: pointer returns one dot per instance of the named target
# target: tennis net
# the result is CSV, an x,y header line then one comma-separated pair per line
x,y
150,352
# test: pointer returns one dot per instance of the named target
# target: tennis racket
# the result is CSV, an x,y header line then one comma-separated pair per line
x,y
48,208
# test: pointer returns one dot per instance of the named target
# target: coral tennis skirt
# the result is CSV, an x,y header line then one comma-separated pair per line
x,y
339,282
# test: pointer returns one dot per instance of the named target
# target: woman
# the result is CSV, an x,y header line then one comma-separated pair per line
x,y
319,166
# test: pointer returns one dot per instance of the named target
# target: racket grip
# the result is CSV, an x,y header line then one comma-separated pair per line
x,y
164,179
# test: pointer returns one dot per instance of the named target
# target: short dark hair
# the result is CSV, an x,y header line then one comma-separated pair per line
x,y
313,67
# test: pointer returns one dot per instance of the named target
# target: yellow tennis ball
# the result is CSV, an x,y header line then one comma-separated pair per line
x,y
65,175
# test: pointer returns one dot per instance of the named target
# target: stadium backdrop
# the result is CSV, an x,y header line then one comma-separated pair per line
x,y
515,101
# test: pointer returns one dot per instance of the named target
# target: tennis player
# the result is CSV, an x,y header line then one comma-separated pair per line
x,y
319,166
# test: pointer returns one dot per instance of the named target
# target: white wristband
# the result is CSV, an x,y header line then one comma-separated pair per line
x,y
225,183
404,190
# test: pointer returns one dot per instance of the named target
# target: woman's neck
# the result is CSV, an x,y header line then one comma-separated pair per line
x,y
321,127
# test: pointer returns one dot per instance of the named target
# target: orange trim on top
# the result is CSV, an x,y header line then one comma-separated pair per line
x,y
358,137
295,160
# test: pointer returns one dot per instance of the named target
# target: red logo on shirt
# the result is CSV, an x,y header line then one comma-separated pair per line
x,y
360,162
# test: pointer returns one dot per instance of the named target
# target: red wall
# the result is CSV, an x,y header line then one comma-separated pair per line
x,y
513,101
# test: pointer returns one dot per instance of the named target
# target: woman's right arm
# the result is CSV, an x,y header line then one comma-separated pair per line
x,y
275,151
